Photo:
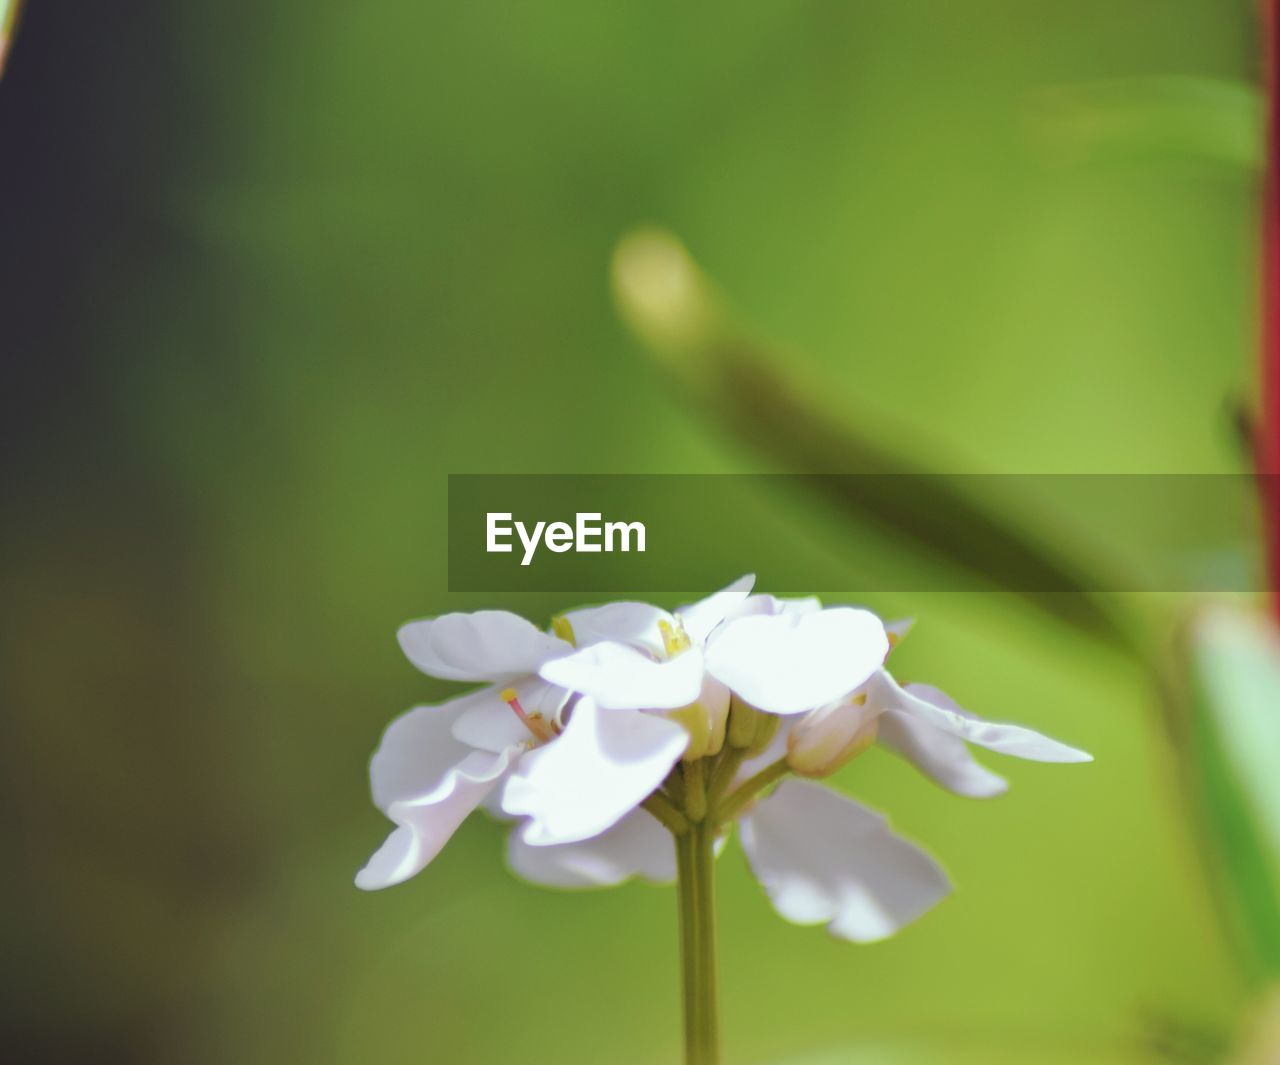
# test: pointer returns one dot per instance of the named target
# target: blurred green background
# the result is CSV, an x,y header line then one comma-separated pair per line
x,y
270,271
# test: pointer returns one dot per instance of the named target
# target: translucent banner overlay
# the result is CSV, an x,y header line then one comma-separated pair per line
x,y
1033,533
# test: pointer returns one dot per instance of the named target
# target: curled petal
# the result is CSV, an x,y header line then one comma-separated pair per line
x,y
700,618
636,846
491,725
809,604
768,605
486,645
425,824
419,748
898,630
601,768
929,706
618,677
822,857
941,756
793,662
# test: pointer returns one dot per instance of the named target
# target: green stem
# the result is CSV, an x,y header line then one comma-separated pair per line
x,y
722,775
695,790
665,811
733,805
695,865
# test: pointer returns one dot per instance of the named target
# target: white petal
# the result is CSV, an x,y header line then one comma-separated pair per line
x,y
486,645
418,749
636,846
626,622
618,677
939,755
701,617
715,699
769,605
790,663
822,857
425,824
491,725
604,764
932,707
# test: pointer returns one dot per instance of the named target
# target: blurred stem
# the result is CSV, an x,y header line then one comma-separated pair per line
x,y
1268,442
695,868
771,403
9,12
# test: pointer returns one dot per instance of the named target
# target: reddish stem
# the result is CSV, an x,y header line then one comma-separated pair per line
x,y
1269,427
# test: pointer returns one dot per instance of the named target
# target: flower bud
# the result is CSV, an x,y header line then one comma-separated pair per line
x,y
743,723
705,721
830,737
767,726
750,729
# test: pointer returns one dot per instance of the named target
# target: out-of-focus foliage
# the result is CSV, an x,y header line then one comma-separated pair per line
x,y
1156,118
1231,745
1262,1045
269,271
962,1052
669,302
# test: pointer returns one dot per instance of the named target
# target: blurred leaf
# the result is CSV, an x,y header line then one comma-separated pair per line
x,y
1007,1051
10,10
1262,1046
1232,752
763,397
1198,118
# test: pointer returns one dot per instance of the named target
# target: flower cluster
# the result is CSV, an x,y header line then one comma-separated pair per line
x,y
625,723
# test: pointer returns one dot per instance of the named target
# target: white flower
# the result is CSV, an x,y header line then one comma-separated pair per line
x,y
821,857
569,777
634,656
780,657
693,715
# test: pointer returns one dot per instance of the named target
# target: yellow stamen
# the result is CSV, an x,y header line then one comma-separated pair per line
x,y
561,626
674,638
535,723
